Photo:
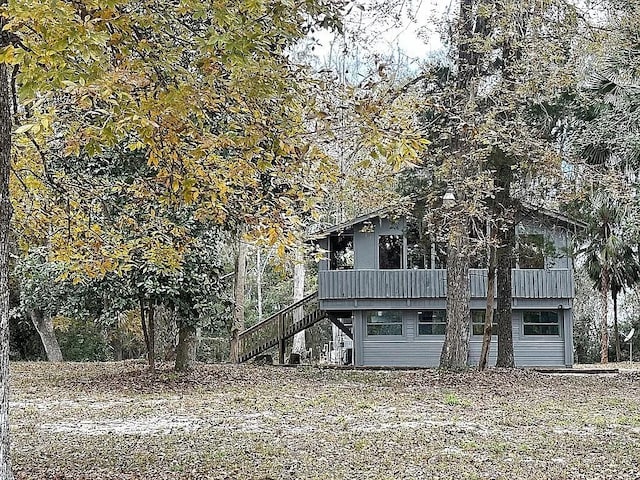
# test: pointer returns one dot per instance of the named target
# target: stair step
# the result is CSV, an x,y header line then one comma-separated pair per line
x,y
273,327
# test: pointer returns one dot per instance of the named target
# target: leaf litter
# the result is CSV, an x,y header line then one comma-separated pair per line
x,y
118,421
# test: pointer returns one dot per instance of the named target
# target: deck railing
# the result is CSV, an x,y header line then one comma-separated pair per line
x,y
354,284
280,326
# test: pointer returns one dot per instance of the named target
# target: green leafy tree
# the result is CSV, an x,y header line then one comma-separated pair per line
x,y
611,263
602,137
205,90
39,297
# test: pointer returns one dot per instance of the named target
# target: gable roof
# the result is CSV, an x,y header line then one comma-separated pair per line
x,y
554,215
341,227
528,208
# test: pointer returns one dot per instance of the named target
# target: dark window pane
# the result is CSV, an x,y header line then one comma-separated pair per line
x,y
548,316
341,252
390,252
384,322
431,329
477,323
541,323
440,251
542,330
384,316
531,251
418,249
384,329
432,322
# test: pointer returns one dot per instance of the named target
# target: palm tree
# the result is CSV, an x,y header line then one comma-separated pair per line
x,y
624,272
604,136
610,261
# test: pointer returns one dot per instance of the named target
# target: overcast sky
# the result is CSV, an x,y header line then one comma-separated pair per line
x,y
387,27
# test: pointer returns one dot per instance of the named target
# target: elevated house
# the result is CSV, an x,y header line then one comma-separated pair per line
x,y
383,285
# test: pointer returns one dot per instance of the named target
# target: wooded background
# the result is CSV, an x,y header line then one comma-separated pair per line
x,y
163,163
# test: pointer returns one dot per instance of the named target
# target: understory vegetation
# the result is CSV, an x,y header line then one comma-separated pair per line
x,y
118,421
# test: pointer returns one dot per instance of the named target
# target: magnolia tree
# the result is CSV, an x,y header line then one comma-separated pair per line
x,y
204,91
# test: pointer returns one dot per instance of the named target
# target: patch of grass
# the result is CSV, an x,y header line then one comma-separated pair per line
x,y
453,399
499,448
629,420
470,445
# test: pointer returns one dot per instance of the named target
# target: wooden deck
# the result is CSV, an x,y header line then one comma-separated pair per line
x,y
411,284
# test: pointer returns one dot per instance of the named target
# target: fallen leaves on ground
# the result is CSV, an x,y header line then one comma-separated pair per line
x,y
76,421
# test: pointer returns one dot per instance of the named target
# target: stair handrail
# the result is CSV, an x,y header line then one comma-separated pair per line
x,y
285,310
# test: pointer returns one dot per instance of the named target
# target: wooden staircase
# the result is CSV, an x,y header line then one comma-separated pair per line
x,y
279,327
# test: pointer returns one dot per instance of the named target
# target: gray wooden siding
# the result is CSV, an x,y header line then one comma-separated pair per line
x,y
382,284
413,350
410,284
365,237
365,241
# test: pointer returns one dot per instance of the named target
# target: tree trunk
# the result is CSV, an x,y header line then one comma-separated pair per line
x,y
44,327
504,261
455,349
259,282
143,323
5,221
151,317
299,270
505,218
187,347
166,332
238,309
148,330
118,340
488,314
604,327
616,333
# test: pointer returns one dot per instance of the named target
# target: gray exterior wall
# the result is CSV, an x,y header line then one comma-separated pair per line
x,y
365,243
556,235
367,288
412,349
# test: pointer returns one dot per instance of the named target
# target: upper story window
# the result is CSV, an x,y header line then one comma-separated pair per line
x,y
390,248
418,250
422,252
440,255
545,322
530,251
341,256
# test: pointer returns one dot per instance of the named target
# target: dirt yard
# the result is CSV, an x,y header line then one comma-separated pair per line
x,y
116,421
